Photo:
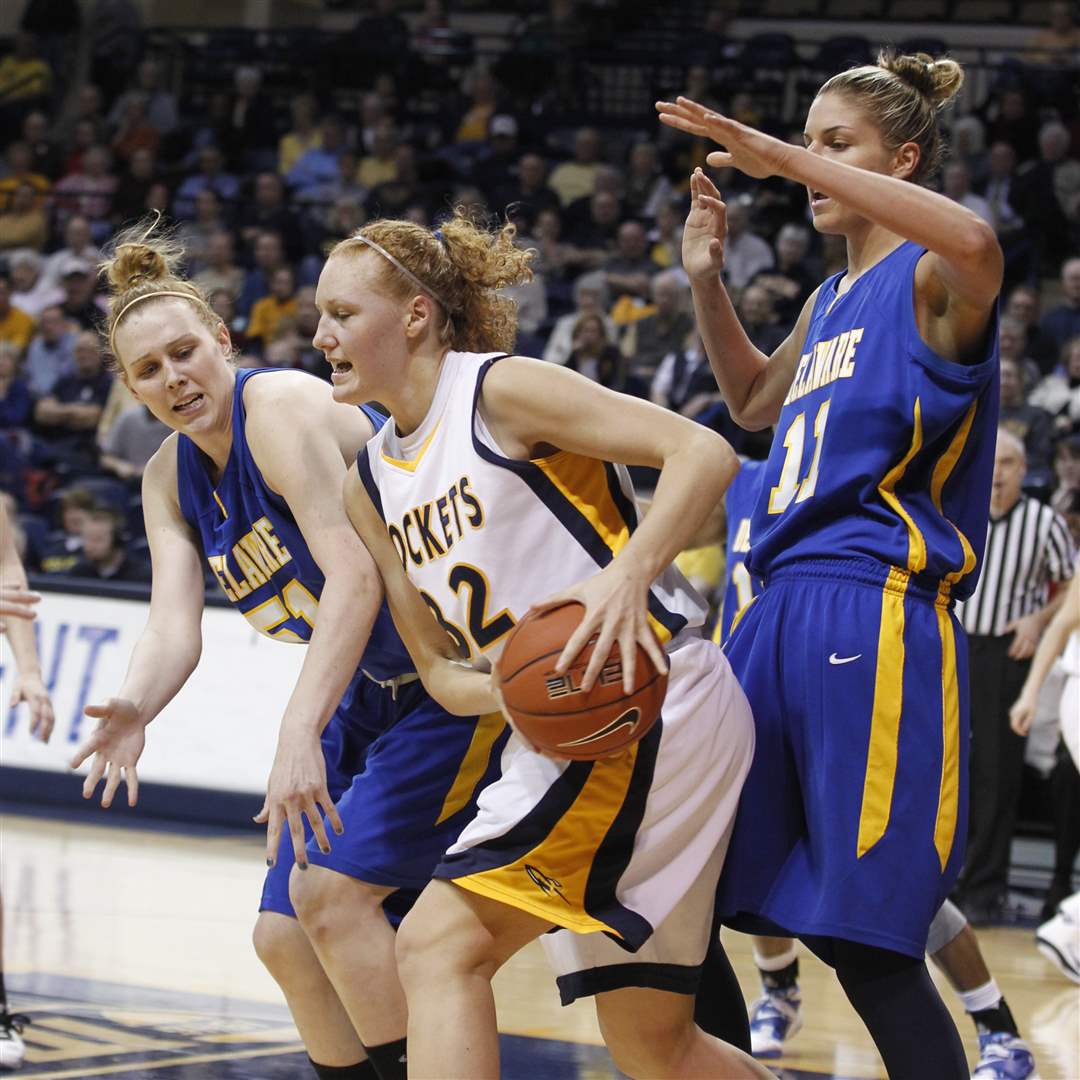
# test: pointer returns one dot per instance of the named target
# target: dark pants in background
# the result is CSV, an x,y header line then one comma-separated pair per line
x,y
997,769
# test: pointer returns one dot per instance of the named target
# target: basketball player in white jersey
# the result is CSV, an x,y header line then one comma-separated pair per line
x,y
495,486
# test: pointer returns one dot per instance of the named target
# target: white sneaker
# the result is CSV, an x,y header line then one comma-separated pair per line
x,y
12,1048
1059,941
1069,909
774,1018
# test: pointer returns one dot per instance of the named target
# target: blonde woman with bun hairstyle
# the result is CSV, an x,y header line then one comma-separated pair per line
x,y
874,503
371,780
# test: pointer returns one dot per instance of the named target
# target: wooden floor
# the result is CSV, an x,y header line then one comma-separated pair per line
x,y
134,944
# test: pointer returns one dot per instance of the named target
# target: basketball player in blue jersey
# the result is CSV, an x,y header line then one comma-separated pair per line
x,y
739,587
494,486
875,501
251,483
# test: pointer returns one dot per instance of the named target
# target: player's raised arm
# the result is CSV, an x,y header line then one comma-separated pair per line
x,y
530,405
458,689
169,647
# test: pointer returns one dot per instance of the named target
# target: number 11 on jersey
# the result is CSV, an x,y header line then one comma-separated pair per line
x,y
790,487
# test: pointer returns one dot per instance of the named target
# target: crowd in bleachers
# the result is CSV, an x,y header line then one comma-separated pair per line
x,y
260,184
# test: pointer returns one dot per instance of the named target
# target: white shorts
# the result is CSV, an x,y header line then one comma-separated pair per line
x,y
611,849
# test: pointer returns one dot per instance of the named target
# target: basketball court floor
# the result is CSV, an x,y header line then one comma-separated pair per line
x,y
130,950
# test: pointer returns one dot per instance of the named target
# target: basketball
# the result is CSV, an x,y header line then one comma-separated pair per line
x,y
553,712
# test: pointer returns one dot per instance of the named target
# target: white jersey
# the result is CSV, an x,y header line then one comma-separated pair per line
x,y
485,537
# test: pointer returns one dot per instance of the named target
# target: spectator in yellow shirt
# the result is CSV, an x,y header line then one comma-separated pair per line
x,y
24,76
16,326
269,311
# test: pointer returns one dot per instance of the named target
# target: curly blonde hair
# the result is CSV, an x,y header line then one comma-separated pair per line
x,y
461,265
143,263
904,94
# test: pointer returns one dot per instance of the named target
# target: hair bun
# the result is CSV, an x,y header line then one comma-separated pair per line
x,y
141,255
937,80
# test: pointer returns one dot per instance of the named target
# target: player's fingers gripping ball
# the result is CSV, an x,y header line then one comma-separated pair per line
x,y
552,711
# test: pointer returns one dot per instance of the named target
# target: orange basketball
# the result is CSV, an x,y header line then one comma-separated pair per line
x,y
553,712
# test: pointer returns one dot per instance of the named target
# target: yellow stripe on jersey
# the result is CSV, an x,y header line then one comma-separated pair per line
x,y
949,790
942,472
885,721
887,490
582,481
410,466
221,506
473,764
565,856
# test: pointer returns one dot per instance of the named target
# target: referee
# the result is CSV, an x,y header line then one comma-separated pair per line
x,y
1028,546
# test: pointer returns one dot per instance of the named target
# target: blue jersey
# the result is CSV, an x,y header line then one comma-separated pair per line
x,y
741,587
884,450
256,550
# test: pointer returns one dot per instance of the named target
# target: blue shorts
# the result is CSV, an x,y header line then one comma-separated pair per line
x,y
404,775
853,818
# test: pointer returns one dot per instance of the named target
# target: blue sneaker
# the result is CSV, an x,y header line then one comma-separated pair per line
x,y
1004,1057
774,1018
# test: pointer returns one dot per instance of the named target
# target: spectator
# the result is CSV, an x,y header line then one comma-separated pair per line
x,y
269,255
594,355
131,442
494,166
104,556
530,298
527,189
594,240
578,215
211,175
223,304
380,164
684,381
759,319
63,546
1059,392
68,415
1010,119
648,340
383,31
1033,426
319,164
647,188
249,134
51,353
590,298
998,190
665,238
576,179
87,107
194,236
304,135
629,270
44,157
1046,193
25,79
16,403
78,245
269,211
89,192
1004,619
319,200
745,253
86,135
1067,473
792,279
554,258
133,185
1023,306
969,146
1012,345
220,270
305,325
161,110
483,93
19,169
269,311
1056,45
1062,324
23,223
29,291
956,185
79,282
135,132
16,327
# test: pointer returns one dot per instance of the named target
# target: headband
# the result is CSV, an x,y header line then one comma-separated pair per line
x,y
138,300
405,270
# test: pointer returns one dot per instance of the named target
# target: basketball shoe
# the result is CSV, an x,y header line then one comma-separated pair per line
x,y
1003,1056
1059,939
12,1048
774,1018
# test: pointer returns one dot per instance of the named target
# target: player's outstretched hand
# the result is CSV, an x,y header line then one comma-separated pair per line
x,y
1022,714
17,602
617,610
297,789
746,149
705,229
31,689
116,745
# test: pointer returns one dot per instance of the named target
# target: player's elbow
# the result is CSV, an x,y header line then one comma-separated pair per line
x,y
714,455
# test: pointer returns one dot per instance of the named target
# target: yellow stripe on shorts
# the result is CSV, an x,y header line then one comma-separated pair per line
x,y
885,722
949,790
550,880
473,764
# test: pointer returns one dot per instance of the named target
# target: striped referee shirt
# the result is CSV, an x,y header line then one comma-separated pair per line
x,y
1026,549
